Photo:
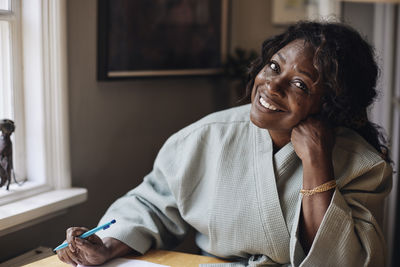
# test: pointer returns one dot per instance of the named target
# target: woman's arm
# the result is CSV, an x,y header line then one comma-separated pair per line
x,y
314,206
147,216
343,227
313,142
117,248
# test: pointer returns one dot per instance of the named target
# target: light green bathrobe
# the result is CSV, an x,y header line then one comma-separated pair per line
x,y
220,176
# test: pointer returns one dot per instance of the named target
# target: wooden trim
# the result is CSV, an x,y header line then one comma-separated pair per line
x,y
143,73
56,94
18,98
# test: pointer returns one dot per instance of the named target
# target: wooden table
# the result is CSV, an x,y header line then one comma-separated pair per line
x,y
171,258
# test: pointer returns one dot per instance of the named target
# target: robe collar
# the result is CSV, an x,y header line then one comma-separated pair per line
x,y
275,229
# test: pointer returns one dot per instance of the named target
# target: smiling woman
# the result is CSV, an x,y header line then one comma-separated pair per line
x,y
305,85
296,178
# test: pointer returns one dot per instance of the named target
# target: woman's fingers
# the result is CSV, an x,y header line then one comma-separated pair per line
x,y
312,139
73,232
95,239
87,246
89,251
63,256
95,252
72,256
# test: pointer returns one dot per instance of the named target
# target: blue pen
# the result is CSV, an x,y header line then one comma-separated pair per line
x,y
88,233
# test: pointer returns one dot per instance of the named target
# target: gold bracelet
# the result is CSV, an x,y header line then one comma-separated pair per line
x,y
319,189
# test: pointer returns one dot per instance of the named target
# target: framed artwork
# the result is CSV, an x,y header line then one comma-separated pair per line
x,y
290,11
143,38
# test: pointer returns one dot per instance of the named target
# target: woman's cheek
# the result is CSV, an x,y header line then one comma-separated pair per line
x,y
300,108
253,92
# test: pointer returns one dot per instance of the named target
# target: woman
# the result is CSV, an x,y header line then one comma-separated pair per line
x,y
296,178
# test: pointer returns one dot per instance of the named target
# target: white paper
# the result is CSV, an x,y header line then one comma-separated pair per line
x,y
124,262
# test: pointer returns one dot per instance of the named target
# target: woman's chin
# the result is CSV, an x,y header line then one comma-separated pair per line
x,y
260,120
257,120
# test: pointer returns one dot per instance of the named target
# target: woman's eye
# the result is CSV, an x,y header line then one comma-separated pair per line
x,y
274,66
301,86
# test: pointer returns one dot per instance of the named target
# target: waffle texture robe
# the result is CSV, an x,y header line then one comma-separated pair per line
x,y
220,176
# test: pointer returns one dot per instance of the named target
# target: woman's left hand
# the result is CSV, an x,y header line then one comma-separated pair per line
x,y
313,141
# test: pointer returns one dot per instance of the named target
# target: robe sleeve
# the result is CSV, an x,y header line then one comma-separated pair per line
x,y
148,216
350,232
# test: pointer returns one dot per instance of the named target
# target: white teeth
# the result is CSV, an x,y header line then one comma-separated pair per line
x,y
266,104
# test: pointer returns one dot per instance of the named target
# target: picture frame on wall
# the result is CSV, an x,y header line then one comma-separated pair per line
x,y
148,38
286,12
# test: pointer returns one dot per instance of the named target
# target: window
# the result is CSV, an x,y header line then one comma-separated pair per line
x,y
11,106
33,39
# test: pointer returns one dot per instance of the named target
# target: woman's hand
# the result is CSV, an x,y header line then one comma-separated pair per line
x,y
313,141
89,251
92,250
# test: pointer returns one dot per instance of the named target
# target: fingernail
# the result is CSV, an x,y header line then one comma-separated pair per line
x,y
71,247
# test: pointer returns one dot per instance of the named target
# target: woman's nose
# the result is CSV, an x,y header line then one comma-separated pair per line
x,y
276,86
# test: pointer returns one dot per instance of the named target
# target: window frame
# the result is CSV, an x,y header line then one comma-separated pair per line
x,y
42,119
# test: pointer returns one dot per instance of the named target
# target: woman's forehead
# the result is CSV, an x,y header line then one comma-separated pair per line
x,y
298,48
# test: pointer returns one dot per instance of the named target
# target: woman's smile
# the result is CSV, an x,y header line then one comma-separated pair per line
x,y
265,104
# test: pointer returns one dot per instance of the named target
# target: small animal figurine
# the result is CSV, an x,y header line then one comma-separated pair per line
x,y
6,160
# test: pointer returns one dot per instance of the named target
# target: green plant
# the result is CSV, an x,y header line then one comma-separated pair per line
x,y
237,64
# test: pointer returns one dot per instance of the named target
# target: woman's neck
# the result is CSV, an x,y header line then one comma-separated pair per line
x,y
279,139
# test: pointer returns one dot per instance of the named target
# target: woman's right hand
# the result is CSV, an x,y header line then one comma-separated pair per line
x,y
89,251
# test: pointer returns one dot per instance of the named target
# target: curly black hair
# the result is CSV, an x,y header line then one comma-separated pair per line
x,y
347,69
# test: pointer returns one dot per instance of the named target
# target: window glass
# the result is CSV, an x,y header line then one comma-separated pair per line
x,y
5,71
5,5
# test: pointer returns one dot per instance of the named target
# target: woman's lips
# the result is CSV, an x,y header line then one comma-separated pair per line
x,y
267,103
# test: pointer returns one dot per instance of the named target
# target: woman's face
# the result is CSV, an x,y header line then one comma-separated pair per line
x,y
284,91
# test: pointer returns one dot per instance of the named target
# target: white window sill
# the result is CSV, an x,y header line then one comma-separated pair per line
x,y
31,210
